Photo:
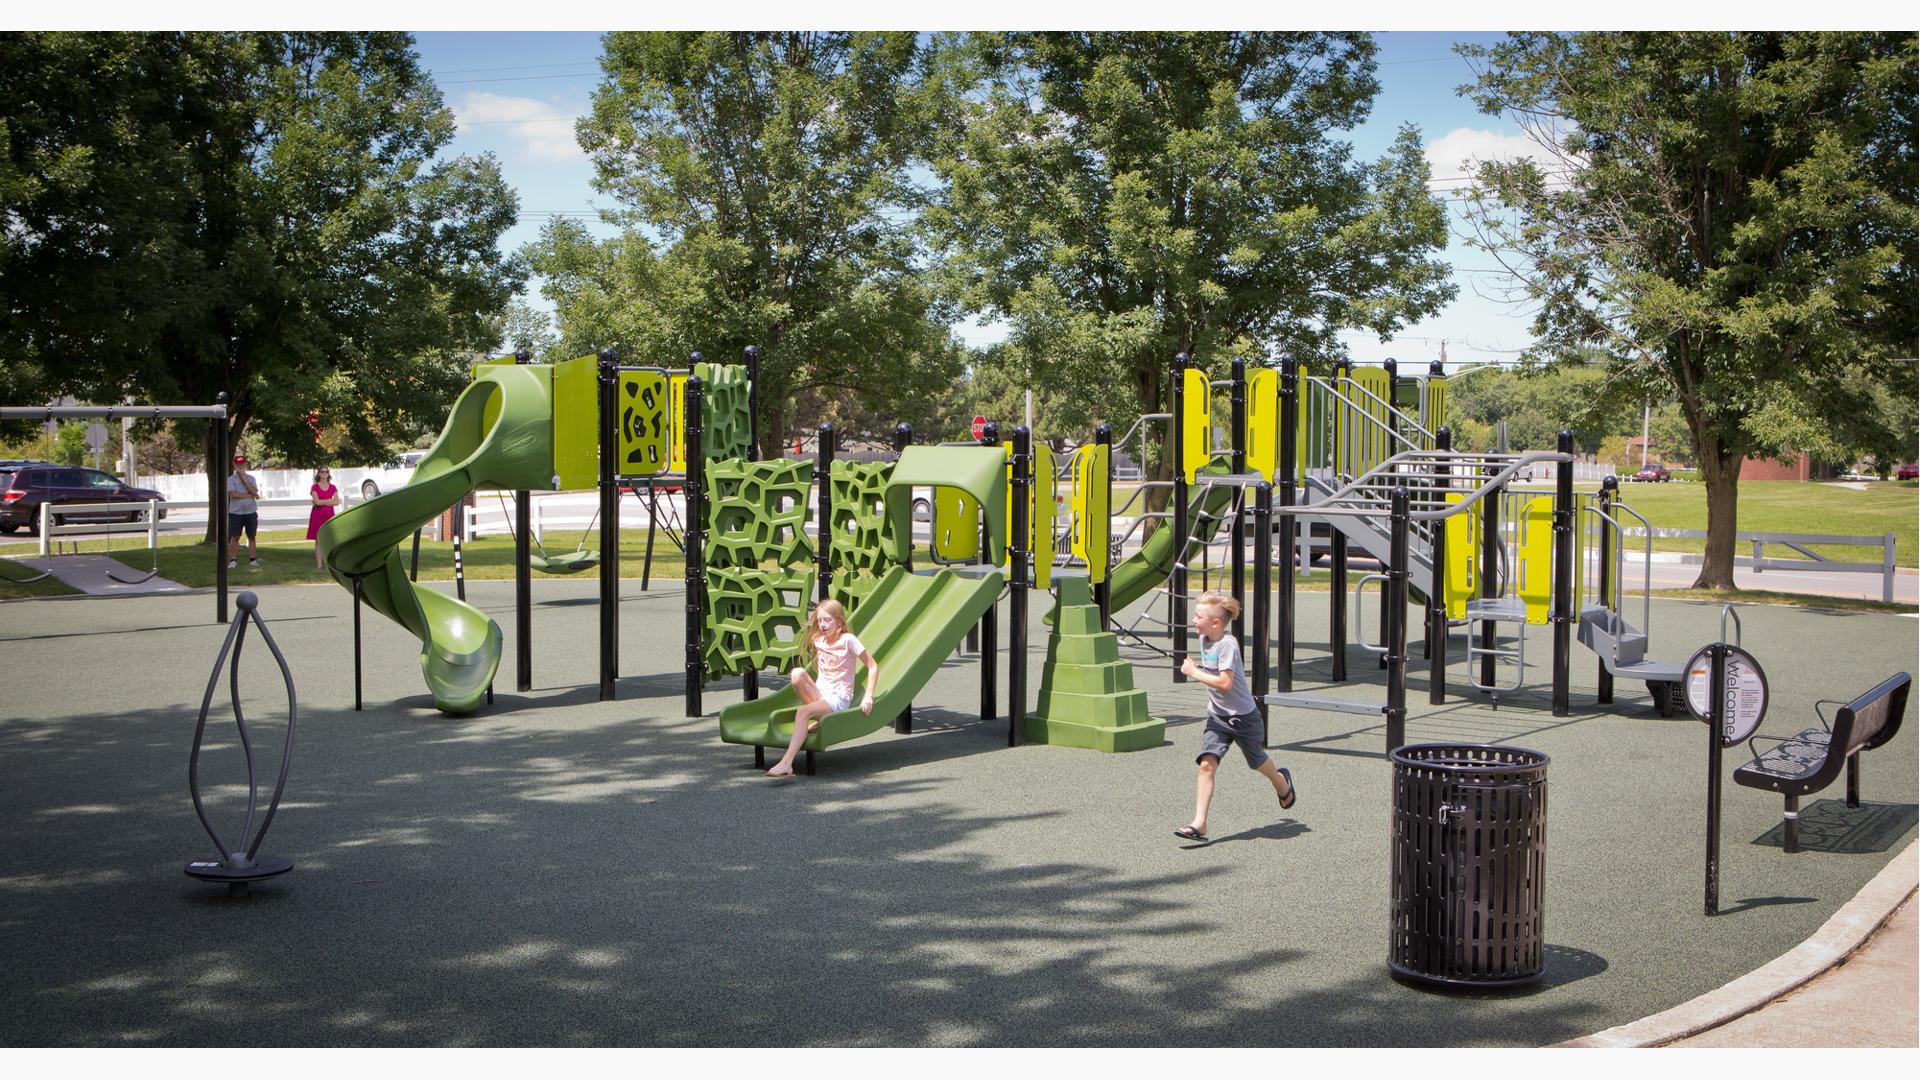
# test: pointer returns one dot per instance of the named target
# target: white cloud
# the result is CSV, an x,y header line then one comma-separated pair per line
x,y
1459,151
544,128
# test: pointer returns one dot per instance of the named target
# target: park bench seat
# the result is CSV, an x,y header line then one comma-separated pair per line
x,y
1809,761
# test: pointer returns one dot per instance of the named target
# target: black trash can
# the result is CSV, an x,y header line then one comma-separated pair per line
x,y
1469,860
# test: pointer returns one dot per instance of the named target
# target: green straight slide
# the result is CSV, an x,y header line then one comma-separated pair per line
x,y
910,623
459,645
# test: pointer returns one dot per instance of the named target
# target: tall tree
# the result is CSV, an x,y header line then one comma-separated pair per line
x,y
764,180
1729,217
1118,198
260,214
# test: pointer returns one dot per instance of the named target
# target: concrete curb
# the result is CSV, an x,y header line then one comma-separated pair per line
x,y
1846,931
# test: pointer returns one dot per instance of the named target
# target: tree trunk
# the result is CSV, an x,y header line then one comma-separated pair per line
x,y
1721,472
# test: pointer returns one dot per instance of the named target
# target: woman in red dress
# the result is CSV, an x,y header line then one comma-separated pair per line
x,y
325,498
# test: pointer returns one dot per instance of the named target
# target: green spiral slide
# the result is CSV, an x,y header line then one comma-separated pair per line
x,y
499,435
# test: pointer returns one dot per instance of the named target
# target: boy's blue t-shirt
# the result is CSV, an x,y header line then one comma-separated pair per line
x,y
1224,655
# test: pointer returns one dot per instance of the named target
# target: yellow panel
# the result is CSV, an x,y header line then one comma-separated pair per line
x,y
642,416
1197,422
1373,425
1435,415
677,424
956,525
1040,514
1535,549
1092,530
1263,423
576,423
1463,557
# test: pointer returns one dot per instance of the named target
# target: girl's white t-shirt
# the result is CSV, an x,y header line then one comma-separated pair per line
x,y
837,661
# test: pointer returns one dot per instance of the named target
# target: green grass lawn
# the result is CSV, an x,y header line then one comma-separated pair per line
x,y
1790,506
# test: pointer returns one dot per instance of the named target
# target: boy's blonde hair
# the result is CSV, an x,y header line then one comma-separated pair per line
x,y
831,607
1227,606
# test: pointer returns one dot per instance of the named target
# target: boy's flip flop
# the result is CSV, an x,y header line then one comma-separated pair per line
x,y
1188,832
1292,792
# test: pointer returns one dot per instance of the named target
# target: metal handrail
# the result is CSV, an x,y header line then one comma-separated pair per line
x,y
1620,555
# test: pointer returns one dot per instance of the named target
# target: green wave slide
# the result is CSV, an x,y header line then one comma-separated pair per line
x,y
1137,575
910,623
459,645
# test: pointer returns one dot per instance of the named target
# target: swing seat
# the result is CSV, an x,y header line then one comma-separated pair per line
x,y
571,562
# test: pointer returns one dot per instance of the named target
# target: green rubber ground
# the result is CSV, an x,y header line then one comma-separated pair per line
x,y
557,870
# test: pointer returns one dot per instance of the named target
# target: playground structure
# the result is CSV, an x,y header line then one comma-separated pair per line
x,y
1365,454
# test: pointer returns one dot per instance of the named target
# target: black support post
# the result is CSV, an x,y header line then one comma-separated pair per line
x,y
1437,591
823,511
903,438
1490,580
1289,524
990,622
1262,599
1017,594
523,590
1562,616
750,678
356,642
1177,593
693,531
1396,639
609,385
223,468
1608,487
1237,535
1103,592
1337,603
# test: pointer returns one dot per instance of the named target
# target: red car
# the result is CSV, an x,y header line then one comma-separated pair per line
x,y
1656,473
1908,472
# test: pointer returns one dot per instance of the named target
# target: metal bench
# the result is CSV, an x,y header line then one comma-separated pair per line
x,y
1809,761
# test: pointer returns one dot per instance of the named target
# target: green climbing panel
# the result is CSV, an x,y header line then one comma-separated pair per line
x,y
858,556
726,421
753,619
755,514
1087,697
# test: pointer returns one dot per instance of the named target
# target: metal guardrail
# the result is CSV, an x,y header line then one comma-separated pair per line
x,y
1800,542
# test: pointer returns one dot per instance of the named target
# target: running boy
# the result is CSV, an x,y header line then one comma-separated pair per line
x,y
1232,716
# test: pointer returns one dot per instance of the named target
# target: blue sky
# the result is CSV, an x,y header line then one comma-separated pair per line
x,y
516,94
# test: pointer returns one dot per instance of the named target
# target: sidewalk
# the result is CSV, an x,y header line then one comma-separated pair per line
x,y
88,573
1852,984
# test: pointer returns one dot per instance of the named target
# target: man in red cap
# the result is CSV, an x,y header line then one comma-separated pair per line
x,y
243,513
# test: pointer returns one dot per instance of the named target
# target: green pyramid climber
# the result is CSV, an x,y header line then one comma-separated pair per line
x,y
1087,697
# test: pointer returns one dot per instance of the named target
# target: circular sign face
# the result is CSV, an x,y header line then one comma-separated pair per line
x,y
96,436
979,426
1744,702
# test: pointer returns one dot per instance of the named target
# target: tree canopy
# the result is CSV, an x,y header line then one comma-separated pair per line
x,y
1729,218
1118,198
764,181
262,214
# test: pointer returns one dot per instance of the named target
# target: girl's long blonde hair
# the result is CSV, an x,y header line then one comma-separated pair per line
x,y
807,639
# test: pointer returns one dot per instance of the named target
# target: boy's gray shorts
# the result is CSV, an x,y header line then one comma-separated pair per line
x,y
1241,731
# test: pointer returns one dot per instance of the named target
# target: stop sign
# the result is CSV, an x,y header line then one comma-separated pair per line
x,y
979,426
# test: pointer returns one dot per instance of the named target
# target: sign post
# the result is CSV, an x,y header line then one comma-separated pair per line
x,y
1725,687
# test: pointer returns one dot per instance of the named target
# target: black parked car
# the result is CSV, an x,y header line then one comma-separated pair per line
x,y
25,486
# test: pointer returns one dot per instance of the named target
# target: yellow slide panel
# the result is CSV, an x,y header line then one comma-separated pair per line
x,y
1263,423
1535,559
1092,530
1463,557
1197,421
677,424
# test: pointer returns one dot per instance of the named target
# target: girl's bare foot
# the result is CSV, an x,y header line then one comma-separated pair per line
x,y
780,770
